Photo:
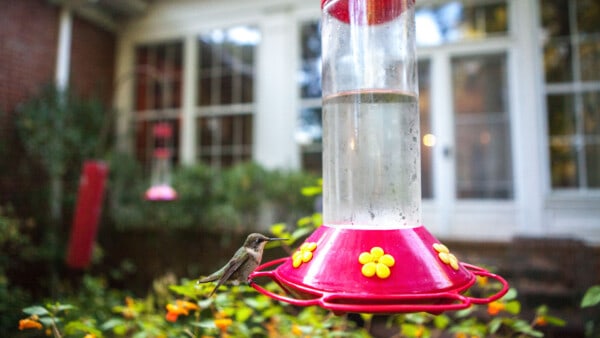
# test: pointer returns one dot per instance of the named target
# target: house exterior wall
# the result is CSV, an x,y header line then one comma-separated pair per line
x,y
28,36
535,209
92,60
29,31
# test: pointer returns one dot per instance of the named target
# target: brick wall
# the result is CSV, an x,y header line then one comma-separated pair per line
x,y
28,38
28,46
92,60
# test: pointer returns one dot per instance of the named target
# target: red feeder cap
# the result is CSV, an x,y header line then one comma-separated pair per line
x,y
162,153
377,11
162,130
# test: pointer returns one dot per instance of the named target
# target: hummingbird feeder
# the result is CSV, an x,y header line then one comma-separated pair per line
x,y
372,254
160,189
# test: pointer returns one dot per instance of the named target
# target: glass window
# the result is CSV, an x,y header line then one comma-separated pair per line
x,y
440,22
310,132
572,72
158,84
483,154
428,140
225,100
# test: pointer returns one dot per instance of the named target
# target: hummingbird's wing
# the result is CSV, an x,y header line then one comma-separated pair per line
x,y
232,266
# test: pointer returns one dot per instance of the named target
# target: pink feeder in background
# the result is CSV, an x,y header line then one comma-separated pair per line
x,y
160,189
372,254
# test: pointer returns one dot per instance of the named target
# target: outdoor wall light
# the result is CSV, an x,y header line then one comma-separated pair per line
x,y
372,254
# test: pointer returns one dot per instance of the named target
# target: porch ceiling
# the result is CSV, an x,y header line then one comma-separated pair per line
x,y
109,14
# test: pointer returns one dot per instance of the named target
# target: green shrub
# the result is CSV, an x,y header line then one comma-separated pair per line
x,y
230,199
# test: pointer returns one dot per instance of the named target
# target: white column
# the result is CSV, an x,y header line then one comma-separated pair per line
x,y
442,125
187,151
531,167
63,53
276,93
123,97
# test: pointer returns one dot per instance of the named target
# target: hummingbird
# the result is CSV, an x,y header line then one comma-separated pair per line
x,y
244,261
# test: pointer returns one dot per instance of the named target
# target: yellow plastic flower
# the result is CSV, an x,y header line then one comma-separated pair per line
x,y
445,255
376,262
304,254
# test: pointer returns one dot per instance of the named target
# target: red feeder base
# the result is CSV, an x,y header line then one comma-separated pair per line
x,y
375,271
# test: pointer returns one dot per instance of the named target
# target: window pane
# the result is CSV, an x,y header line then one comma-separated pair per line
x,y
158,88
225,140
572,69
483,154
457,20
557,61
309,137
310,74
563,161
158,76
226,65
592,154
588,14
591,113
561,115
555,17
226,94
427,137
589,54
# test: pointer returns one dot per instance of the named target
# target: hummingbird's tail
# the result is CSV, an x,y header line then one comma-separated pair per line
x,y
207,279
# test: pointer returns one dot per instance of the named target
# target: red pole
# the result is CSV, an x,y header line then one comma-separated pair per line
x,y
87,214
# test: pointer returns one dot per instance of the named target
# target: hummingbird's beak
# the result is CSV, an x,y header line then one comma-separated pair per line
x,y
277,239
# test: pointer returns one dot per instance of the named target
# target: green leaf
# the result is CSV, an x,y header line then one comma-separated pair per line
x,y
111,323
36,310
495,324
591,297
278,229
409,330
241,315
510,295
311,191
464,313
47,321
513,307
77,326
524,327
555,321
64,307
441,321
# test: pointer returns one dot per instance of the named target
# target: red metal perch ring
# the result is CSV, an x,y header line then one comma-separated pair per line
x,y
340,302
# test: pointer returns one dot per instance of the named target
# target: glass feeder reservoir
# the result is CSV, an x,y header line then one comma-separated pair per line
x,y
372,253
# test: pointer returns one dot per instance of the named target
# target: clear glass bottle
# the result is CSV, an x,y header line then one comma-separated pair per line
x,y
371,154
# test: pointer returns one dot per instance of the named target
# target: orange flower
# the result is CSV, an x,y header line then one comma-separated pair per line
x,y
296,330
29,323
482,281
90,335
495,307
223,323
461,335
171,316
181,307
129,311
420,331
540,321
